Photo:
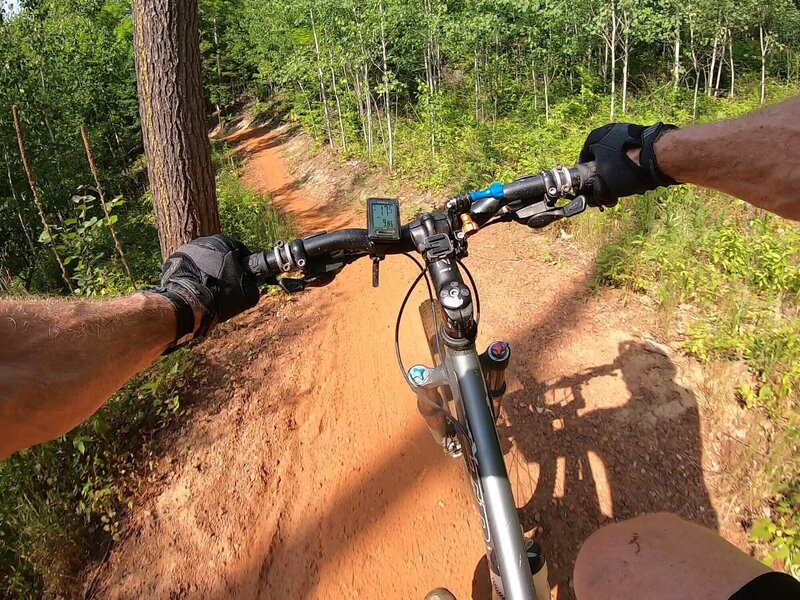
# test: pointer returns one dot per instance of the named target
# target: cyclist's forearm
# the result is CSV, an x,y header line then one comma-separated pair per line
x,y
60,360
754,158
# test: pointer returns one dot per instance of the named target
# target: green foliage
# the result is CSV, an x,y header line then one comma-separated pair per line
x,y
85,245
781,530
66,64
62,502
249,217
245,215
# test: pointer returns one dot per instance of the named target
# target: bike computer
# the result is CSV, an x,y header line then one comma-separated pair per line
x,y
383,220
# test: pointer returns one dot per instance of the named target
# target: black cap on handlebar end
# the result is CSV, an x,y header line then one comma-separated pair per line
x,y
256,265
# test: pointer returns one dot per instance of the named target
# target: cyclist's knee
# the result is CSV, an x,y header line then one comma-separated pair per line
x,y
664,554
597,567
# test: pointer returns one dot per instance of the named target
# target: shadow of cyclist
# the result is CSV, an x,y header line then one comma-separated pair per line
x,y
606,443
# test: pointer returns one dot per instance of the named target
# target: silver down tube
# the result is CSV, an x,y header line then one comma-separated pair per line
x,y
504,541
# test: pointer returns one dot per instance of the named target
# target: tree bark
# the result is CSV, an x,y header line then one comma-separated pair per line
x,y
219,72
368,103
696,67
719,67
733,68
477,85
546,92
172,110
28,238
338,104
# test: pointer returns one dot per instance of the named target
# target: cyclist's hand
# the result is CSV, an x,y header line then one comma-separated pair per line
x,y
617,175
206,283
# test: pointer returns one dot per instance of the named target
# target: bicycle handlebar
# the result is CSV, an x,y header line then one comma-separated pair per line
x,y
530,199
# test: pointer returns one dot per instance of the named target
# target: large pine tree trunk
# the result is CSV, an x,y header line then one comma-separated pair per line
x,y
172,109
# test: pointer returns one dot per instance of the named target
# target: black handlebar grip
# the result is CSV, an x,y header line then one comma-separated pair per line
x,y
587,173
256,265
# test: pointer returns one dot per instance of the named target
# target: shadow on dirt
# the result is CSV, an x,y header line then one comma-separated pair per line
x,y
604,443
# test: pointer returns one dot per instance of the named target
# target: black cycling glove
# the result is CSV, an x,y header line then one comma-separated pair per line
x,y
617,175
205,277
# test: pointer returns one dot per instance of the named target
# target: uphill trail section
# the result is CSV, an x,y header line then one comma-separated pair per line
x,y
305,471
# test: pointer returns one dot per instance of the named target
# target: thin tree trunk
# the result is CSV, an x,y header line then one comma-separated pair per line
x,y
387,99
368,103
377,111
477,86
23,225
625,58
676,69
219,71
710,80
719,67
613,62
322,94
695,66
546,94
35,192
762,38
172,109
496,74
359,102
93,168
733,68
308,106
338,105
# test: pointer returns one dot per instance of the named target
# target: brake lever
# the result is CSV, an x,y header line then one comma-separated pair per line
x,y
541,214
319,277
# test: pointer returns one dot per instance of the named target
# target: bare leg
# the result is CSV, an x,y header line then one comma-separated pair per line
x,y
661,556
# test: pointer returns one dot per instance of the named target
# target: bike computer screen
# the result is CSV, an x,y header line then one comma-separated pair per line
x,y
383,220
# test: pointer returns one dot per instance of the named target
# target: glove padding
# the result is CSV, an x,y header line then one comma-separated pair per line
x,y
208,272
617,175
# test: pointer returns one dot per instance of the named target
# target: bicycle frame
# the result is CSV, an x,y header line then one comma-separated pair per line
x,y
458,371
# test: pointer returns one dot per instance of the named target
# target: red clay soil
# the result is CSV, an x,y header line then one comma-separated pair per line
x,y
305,472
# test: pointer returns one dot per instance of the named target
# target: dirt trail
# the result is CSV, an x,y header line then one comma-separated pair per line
x,y
310,475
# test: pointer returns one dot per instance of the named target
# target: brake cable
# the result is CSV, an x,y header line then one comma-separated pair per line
x,y
424,273
474,290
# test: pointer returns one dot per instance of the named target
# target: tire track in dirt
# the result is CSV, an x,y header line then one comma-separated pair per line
x,y
375,508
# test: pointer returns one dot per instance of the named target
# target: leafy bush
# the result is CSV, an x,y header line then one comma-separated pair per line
x,y
248,216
